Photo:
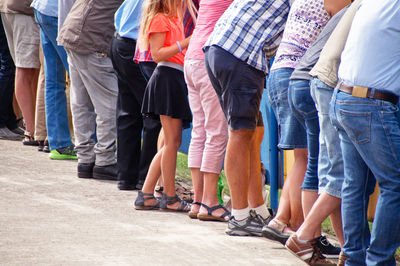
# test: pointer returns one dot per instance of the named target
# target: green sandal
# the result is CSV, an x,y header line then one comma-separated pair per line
x,y
167,200
142,197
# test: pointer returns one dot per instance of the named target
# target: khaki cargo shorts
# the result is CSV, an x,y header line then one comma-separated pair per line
x,y
23,39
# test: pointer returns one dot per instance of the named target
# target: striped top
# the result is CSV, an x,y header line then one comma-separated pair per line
x,y
209,12
306,20
251,30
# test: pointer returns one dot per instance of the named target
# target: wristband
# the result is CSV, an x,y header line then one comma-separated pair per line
x,y
179,46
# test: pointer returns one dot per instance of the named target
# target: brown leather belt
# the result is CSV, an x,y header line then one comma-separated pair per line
x,y
364,92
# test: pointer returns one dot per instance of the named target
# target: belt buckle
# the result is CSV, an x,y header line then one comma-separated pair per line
x,y
360,92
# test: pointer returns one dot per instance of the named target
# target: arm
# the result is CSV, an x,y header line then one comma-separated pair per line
x,y
334,6
161,53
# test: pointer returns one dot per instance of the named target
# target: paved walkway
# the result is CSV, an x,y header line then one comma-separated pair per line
x,y
50,217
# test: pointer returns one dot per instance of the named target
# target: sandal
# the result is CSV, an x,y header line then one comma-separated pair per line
x,y
276,230
142,197
167,200
193,215
209,217
29,139
159,190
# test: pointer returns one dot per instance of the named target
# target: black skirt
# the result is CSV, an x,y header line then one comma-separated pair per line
x,y
166,94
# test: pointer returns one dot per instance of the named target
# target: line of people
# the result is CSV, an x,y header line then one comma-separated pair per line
x,y
142,71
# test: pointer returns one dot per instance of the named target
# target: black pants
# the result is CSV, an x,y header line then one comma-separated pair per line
x,y
133,158
7,78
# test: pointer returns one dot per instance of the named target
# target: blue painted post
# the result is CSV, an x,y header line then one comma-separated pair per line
x,y
274,159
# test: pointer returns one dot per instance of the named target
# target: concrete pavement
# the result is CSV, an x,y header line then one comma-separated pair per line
x,y
48,216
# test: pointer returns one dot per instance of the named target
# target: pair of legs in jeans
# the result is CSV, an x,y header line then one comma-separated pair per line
x,y
297,131
56,66
370,138
330,169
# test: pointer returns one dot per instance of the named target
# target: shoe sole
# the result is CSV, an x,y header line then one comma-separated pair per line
x,y
85,175
233,232
62,157
104,177
210,218
146,208
274,235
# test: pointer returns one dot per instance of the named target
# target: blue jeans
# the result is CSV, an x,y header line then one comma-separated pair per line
x,y
370,138
292,134
303,108
55,64
330,159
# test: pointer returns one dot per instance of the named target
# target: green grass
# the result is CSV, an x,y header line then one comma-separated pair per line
x,y
183,172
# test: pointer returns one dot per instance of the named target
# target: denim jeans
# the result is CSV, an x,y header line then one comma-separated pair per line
x,y
303,108
370,137
330,160
292,134
55,64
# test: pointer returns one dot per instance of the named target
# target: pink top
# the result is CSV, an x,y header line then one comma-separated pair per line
x,y
306,20
209,13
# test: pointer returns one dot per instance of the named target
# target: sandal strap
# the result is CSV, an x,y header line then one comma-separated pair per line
x,y
216,207
197,203
148,196
173,199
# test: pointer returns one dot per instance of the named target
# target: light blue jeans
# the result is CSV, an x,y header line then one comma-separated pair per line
x,y
303,108
55,65
370,138
330,160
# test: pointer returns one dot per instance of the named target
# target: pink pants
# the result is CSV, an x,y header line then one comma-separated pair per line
x,y
210,128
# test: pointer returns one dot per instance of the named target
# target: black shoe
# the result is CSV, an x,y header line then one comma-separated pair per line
x,y
139,184
41,145
329,250
106,172
124,185
85,170
46,147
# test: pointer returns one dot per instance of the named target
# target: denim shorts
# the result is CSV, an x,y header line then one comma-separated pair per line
x,y
292,135
303,108
239,87
330,158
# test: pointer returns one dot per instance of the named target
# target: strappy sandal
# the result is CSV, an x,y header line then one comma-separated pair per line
x,y
167,200
29,139
159,190
142,197
277,231
209,217
193,215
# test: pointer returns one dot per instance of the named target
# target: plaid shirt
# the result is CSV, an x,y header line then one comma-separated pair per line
x,y
188,27
251,30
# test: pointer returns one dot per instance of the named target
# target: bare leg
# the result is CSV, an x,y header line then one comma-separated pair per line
x,y
25,92
198,183
237,165
290,209
308,199
324,206
172,140
297,176
255,187
210,191
152,176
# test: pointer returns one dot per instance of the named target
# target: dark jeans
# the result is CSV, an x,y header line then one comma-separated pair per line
x,y
7,77
133,158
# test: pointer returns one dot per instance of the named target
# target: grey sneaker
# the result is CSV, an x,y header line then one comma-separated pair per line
x,y
251,226
5,133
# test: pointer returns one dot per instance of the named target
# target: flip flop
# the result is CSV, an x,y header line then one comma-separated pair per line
x,y
209,217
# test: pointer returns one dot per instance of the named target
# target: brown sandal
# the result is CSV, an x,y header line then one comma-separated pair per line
x,y
29,139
